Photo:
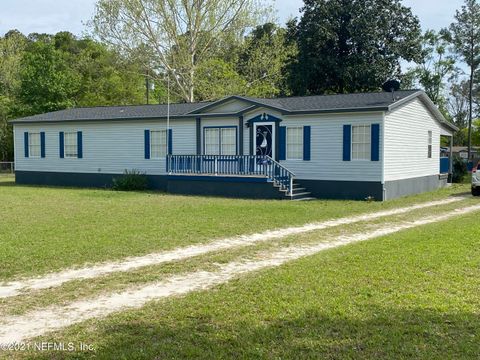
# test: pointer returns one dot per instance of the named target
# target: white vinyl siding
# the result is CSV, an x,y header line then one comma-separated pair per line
x,y
34,145
109,147
295,143
71,145
429,150
212,141
228,141
406,142
326,144
158,144
361,142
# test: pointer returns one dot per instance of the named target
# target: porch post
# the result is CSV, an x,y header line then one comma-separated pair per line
x,y
277,138
250,132
240,135
199,135
450,160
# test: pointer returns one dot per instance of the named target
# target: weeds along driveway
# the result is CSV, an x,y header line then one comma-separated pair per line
x,y
37,322
56,279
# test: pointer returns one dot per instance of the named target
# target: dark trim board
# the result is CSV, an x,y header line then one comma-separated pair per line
x,y
87,180
346,190
234,187
242,187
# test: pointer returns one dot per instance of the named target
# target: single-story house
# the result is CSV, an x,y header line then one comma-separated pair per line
x,y
462,152
354,146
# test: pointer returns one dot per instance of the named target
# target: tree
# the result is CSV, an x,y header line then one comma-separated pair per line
x,y
457,108
172,36
12,48
106,78
354,45
435,69
264,58
465,36
48,83
217,79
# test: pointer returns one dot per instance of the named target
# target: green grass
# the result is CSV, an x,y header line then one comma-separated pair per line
x,y
410,295
45,229
117,282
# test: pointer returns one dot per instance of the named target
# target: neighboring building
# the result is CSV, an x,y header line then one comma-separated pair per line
x,y
462,152
353,146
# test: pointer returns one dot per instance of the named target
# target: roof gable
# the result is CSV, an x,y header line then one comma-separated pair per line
x,y
229,105
429,105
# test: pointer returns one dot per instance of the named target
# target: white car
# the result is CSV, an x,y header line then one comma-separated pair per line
x,y
476,180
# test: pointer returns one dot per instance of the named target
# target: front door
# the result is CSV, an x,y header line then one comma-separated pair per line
x,y
264,144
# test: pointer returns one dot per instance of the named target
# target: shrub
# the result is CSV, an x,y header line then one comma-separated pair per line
x,y
459,169
131,180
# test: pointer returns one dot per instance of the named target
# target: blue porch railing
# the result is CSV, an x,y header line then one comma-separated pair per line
x,y
232,165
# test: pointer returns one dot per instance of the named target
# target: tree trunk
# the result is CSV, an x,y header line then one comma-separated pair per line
x,y
470,111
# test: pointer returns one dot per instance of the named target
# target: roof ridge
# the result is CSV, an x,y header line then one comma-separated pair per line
x,y
133,105
326,95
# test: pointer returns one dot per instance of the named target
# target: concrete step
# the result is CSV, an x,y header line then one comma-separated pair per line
x,y
305,199
300,195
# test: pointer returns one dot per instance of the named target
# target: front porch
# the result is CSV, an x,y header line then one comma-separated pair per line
x,y
252,169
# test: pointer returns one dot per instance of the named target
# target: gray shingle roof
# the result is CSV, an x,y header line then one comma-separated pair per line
x,y
115,112
335,102
345,102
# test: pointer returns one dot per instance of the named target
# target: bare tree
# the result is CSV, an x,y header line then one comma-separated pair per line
x,y
172,36
466,40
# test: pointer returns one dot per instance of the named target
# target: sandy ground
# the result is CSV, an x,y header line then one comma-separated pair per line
x,y
38,322
56,279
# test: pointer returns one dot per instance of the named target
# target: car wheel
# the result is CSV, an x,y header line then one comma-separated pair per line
x,y
476,191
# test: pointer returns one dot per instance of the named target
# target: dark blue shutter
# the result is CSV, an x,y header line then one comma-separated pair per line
x,y
147,144
347,142
282,146
375,153
306,142
170,141
62,146
25,143
79,144
42,144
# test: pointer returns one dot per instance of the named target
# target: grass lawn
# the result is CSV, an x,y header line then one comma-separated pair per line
x,y
45,229
411,295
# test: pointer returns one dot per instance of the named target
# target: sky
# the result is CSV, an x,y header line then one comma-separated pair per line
x,y
51,16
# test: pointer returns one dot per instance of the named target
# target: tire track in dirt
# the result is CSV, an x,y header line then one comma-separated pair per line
x,y
39,322
56,279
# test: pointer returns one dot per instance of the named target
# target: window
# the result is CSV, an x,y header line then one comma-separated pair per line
x,y
212,141
361,142
429,145
294,143
220,141
34,145
158,144
71,145
228,141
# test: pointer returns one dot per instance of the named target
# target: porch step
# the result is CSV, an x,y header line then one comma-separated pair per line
x,y
299,193
305,199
